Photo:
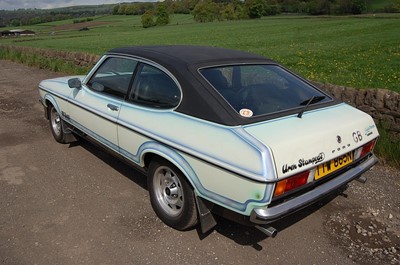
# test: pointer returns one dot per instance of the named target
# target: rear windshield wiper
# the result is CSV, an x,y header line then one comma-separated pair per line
x,y
308,102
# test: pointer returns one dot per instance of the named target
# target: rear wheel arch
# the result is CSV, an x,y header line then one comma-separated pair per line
x,y
176,160
172,195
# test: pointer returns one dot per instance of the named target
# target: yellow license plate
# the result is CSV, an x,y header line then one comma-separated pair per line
x,y
333,165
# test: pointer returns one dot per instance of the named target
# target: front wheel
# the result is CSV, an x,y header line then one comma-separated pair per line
x,y
171,196
56,126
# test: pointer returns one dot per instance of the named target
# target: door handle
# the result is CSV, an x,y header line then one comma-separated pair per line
x,y
112,107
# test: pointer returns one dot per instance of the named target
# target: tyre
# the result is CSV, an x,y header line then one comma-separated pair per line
x,y
171,196
56,126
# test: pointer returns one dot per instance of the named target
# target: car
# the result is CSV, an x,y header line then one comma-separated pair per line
x,y
217,132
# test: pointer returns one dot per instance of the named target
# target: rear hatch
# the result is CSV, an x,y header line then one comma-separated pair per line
x,y
320,136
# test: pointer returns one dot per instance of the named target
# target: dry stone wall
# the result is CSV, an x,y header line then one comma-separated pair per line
x,y
382,104
78,58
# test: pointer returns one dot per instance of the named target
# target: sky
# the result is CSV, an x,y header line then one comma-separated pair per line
x,y
48,4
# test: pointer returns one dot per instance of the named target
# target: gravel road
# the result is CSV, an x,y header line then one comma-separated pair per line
x,y
75,204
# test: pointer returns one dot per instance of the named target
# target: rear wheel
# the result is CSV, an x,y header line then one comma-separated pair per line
x,y
56,126
171,195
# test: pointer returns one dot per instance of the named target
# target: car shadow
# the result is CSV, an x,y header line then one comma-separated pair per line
x,y
120,166
251,236
241,234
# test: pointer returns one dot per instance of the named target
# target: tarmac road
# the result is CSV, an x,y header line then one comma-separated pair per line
x,y
75,204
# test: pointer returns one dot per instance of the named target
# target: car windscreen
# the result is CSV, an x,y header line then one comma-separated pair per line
x,y
254,90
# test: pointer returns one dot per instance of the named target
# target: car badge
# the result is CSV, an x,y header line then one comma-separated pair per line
x,y
339,139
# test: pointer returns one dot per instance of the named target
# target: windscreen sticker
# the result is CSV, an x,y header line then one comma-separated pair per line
x,y
246,113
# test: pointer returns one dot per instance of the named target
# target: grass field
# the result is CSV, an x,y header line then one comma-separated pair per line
x,y
361,51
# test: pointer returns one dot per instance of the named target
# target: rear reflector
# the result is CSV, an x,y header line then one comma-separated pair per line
x,y
291,183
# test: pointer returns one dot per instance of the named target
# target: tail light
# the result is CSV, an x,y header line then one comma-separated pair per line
x,y
291,183
365,149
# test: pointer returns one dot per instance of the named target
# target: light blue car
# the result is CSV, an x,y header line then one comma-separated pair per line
x,y
217,131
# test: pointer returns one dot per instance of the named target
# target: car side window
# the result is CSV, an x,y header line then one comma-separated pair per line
x,y
113,76
154,88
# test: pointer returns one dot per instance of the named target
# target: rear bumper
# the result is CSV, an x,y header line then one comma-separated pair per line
x,y
266,215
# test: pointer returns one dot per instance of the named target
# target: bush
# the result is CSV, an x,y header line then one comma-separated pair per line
x,y
388,146
256,8
319,7
162,14
148,19
206,11
349,7
228,12
392,8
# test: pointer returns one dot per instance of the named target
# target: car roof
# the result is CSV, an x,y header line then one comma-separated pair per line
x,y
200,99
187,54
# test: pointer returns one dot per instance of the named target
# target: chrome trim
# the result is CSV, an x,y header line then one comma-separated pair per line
x,y
266,215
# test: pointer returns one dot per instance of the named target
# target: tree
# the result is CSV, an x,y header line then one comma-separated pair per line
x,y
205,11
148,19
350,7
115,10
121,9
15,23
271,8
131,9
256,8
162,14
319,7
228,12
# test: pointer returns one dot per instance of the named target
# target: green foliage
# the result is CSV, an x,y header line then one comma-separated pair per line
x,y
388,147
161,17
392,7
206,11
256,8
319,7
36,16
115,10
133,9
75,21
148,19
272,8
15,23
228,12
162,14
354,7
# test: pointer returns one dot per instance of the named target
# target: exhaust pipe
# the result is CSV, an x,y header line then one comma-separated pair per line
x,y
268,230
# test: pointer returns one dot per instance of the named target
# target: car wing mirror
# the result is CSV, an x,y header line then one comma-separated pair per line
x,y
74,83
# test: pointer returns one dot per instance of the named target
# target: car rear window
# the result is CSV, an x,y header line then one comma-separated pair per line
x,y
254,90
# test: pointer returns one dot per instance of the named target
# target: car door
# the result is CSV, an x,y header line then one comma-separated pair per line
x,y
96,105
153,96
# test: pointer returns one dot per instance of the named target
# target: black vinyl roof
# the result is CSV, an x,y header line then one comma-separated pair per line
x,y
187,54
200,99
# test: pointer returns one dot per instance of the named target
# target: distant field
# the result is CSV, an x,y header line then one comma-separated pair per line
x,y
361,52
